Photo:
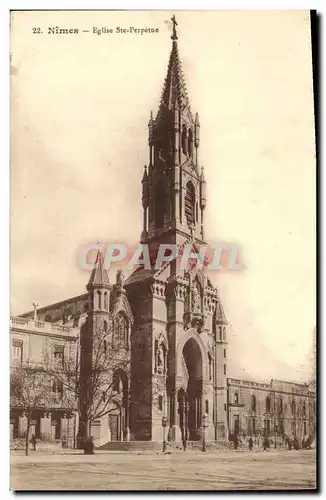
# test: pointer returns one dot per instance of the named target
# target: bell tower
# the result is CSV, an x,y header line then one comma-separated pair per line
x,y
173,186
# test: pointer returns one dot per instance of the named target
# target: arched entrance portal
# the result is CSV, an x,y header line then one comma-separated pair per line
x,y
189,402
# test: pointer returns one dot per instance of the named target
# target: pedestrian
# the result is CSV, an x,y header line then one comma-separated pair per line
x,y
184,444
251,443
33,441
266,444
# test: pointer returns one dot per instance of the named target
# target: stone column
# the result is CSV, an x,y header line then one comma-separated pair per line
x,y
46,425
64,427
22,424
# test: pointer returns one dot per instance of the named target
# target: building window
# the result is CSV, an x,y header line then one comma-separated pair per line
x,y
17,352
304,409
106,301
268,426
160,403
105,347
190,204
304,428
253,403
293,406
57,388
99,301
207,406
224,369
59,355
281,405
268,404
236,398
224,333
224,353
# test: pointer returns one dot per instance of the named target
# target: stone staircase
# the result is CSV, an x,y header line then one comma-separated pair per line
x,y
158,445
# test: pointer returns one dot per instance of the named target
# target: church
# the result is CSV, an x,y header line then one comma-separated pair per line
x,y
169,323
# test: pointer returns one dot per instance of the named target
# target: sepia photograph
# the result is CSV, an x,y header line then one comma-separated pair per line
x,y
162,250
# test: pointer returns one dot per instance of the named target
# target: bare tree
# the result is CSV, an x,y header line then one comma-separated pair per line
x,y
31,389
94,380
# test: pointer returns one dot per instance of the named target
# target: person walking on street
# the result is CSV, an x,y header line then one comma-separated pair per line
x,y
184,444
33,441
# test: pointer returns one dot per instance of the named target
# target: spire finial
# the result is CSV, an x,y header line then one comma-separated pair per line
x,y
174,34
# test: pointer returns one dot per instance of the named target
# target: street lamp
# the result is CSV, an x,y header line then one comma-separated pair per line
x,y
205,424
164,424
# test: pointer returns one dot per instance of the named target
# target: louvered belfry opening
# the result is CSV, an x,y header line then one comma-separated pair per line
x,y
190,204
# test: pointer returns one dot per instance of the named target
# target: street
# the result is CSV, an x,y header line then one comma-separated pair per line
x,y
191,470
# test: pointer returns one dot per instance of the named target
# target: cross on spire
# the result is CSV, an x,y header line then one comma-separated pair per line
x,y
174,22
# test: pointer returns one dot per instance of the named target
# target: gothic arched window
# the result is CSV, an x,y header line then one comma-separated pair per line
x,y
210,366
190,204
184,139
120,331
190,142
253,403
106,301
99,301
159,207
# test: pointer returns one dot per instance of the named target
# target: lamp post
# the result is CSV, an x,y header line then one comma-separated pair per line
x,y
164,424
205,424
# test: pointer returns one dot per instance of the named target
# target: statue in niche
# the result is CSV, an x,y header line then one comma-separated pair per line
x,y
160,360
120,278
196,299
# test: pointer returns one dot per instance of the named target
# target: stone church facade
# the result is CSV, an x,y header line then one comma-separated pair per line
x,y
170,322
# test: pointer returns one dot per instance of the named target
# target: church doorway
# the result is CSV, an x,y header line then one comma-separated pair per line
x,y
115,425
190,401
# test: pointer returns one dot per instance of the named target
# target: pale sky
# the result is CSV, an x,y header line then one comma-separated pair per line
x,y
80,108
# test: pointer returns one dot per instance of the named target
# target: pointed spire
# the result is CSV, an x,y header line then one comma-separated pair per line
x,y
99,276
174,92
151,129
145,176
174,34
